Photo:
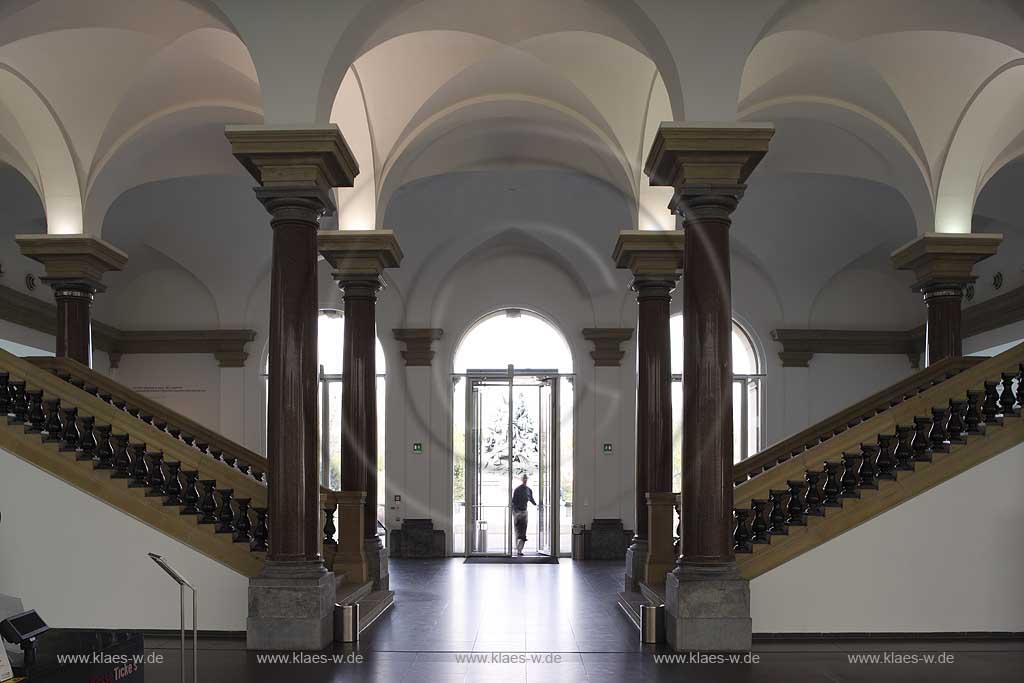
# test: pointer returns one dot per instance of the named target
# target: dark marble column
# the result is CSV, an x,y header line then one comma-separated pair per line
x,y
292,413
359,258
707,601
654,258
291,601
74,321
74,267
359,396
707,389
943,265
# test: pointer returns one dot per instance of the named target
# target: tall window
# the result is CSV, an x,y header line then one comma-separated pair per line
x,y
330,338
746,397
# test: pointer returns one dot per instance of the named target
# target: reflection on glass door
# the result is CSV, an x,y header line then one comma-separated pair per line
x,y
513,431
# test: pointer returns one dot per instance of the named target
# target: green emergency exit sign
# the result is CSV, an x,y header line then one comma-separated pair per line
x,y
417,447
607,448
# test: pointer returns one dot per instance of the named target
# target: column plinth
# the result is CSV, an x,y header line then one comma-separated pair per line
x,y
74,268
943,265
707,165
654,258
359,258
296,169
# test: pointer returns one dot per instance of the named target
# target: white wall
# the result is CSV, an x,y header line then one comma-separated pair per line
x,y
82,563
189,383
948,560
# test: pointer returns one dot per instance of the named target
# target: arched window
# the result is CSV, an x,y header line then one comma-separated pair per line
x,y
330,340
747,377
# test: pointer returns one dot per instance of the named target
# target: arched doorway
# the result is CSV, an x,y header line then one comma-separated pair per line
x,y
513,416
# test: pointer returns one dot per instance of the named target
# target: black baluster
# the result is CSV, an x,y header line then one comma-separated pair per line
x,y
72,436
188,439
990,407
157,481
226,517
937,435
903,454
867,473
1006,397
758,523
243,525
920,444
53,427
140,468
258,476
92,391
19,403
956,429
133,411
174,431
75,382
119,404
777,515
5,390
741,536
831,489
203,447
160,424
885,461
106,398
812,499
123,462
190,497
795,508
34,416
260,532
208,503
230,462
104,449
973,421
1020,386
243,468
329,528
173,487
849,480
148,419
88,443
216,453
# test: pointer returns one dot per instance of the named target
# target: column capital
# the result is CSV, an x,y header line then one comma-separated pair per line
x,y
706,154
945,260
293,162
418,343
359,255
651,254
73,261
607,343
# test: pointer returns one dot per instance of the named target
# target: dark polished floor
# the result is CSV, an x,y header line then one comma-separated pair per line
x,y
446,608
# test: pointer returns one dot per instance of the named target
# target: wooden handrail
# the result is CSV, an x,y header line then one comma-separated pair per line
x,y
150,407
850,416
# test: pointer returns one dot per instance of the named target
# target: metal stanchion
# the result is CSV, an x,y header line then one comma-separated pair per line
x,y
182,584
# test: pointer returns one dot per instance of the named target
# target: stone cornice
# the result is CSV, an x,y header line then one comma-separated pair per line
x,y
72,259
359,254
799,346
651,253
943,259
228,346
607,343
706,153
282,156
418,343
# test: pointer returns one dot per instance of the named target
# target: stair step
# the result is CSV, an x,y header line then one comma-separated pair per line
x,y
349,593
629,602
373,606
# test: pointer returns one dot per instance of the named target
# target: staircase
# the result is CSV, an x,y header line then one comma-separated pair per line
x,y
151,463
867,459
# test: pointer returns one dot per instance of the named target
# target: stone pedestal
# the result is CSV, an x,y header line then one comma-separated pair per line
x,y
291,607
942,264
636,561
350,562
661,557
707,613
377,563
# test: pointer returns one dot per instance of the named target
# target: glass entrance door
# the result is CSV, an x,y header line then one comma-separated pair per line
x,y
513,431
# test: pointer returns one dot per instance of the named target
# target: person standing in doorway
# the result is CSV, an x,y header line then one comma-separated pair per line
x,y
520,517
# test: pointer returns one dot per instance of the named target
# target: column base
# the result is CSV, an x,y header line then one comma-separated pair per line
x,y
708,611
661,555
377,563
636,561
291,607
